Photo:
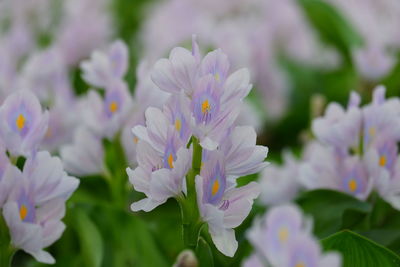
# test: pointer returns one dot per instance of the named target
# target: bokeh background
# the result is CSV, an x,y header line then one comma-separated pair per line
x,y
302,54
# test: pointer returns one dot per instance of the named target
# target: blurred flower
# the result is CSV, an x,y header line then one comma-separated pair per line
x,y
36,205
85,156
104,67
359,149
283,238
23,124
112,111
279,184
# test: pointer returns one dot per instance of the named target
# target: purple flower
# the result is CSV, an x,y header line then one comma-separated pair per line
x,y
222,206
112,111
338,127
214,95
304,251
85,156
279,184
159,175
22,123
283,238
36,205
381,117
104,67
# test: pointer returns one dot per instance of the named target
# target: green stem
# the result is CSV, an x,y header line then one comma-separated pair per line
x,y
191,221
6,250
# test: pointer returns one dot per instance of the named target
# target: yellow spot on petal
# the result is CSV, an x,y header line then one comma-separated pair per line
x,y
178,125
113,106
135,140
352,185
215,187
283,234
49,133
372,131
217,77
171,161
23,212
382,161
300,264
205,106
20,122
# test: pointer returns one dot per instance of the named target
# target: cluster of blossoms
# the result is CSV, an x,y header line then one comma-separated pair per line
x,y
357,149
377,22
111,104
283,238
32,197
194,136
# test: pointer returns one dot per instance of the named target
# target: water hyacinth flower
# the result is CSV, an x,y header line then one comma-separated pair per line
x,y
104,67
22,123
214,96
163,161
279,184
326,168
36,205
112,111
359,151
283,238
223,206
85,156
192,151
338,127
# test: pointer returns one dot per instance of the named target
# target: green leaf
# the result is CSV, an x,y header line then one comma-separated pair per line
x,y
328,208
90,240
333,28
204,254
358,251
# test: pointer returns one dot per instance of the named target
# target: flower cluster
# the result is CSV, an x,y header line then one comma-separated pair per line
x,y
283,238
357,150
113,106
194,136
32,199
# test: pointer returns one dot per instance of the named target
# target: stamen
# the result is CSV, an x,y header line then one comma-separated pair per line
x,y
382,161
178,125
215,187
23,212
113,106
205,106
283,234
170,161
352,185
20,122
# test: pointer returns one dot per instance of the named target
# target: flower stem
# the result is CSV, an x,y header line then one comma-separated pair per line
x,y
6,250
191,221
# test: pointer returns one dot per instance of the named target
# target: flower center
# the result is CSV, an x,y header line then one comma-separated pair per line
x,y
170,161
20,122
113,106
135,139
382,161
217,77
283,234
300,264
215,187
372,131
205,106
352,185
23,212
178,125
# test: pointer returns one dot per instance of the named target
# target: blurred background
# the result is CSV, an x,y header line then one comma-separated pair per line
x,y
301,54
